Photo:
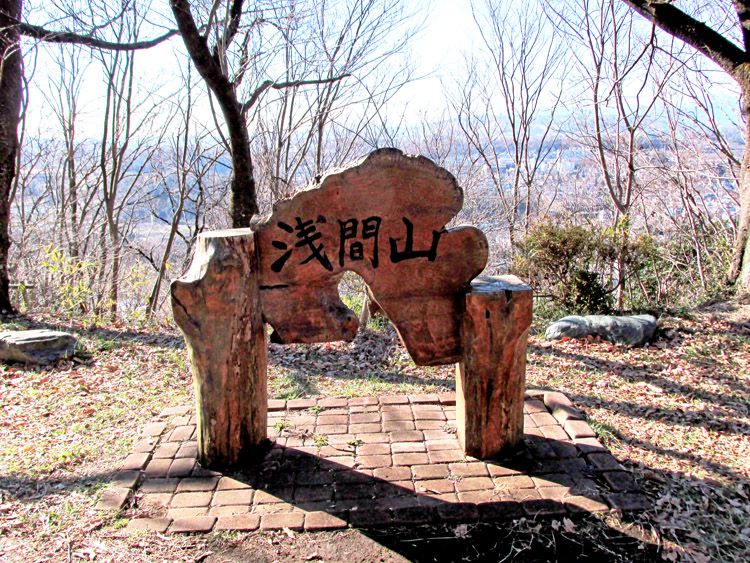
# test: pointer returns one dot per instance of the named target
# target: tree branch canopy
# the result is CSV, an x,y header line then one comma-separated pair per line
x,y
244,203
235,14
265,85
198,50
697,34
49,36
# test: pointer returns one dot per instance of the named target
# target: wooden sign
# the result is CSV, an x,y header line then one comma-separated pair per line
x,y
385,219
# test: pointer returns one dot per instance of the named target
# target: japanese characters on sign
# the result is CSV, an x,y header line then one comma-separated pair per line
x,y
358,240
385,219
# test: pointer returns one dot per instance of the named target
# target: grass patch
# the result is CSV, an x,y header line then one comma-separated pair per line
x,y
372,385
286,387
104,400
281,425
106,345
606,433
320,441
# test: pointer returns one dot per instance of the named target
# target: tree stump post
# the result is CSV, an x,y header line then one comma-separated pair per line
x,y
491,377
216,304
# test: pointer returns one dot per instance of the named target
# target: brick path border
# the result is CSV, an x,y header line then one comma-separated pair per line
x,y
370,461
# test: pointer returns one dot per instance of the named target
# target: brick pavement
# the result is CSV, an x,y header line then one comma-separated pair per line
x,y
370,461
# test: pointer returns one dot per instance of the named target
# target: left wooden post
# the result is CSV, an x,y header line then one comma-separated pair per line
x,y
216,304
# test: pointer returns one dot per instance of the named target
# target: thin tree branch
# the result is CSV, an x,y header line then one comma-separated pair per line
x,y
282,85
49,36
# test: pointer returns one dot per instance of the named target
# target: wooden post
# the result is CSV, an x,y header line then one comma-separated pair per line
x,y
216,304
491,377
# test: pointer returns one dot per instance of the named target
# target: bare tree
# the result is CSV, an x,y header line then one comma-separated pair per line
x,y
297,133
720,48
126,149
220,48
508,106
11,93
618,67
187,188
693,184
80,174
11,87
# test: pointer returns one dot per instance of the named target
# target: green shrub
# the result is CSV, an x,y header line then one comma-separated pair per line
x,y
562,261
576,267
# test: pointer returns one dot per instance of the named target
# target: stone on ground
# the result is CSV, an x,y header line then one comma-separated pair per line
x,y
36,346
632,330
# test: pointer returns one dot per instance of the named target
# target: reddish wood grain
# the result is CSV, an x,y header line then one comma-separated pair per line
x,y
216,304
409,200
491,377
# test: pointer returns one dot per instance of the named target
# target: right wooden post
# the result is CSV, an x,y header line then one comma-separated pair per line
x,y
491,377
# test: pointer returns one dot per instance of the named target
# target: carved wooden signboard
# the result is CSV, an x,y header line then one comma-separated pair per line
x,y
385,219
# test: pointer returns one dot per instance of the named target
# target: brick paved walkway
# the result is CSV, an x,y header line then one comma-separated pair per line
x,y
370,461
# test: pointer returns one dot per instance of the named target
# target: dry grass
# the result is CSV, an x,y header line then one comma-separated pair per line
x,y
677,413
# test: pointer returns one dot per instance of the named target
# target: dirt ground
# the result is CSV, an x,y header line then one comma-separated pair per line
x,y
677,413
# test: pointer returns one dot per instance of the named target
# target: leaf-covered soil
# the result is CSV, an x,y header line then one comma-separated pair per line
x,y
676,412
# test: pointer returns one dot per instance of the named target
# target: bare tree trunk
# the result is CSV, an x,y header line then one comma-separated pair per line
x,y
621,265
72,185
114,288
11,91
364,314
244,204
153,300
101,276
739,271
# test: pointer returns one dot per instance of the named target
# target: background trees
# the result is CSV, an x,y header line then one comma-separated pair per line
x,y
507,107
590,122
735,60
10,109
243,53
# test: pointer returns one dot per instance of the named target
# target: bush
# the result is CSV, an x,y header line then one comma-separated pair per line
x,y
561,261
576,267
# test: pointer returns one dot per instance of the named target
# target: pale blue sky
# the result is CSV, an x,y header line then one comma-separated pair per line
x,y
437,52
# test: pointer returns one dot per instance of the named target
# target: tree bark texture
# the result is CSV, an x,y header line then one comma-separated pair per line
x,y
740,267
11,91
216,304
490,378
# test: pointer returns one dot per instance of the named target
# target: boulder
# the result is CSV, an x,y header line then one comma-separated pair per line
x,y
632,330
36,346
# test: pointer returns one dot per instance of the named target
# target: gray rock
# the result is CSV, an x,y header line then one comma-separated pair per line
x,y
633,330
568,327
36,346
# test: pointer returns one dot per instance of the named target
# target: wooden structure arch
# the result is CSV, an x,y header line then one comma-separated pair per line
x,y
384,218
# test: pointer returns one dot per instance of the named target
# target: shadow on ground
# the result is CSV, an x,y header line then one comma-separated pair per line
x,y
146,337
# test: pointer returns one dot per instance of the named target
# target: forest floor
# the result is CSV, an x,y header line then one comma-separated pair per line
x,y
676,413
